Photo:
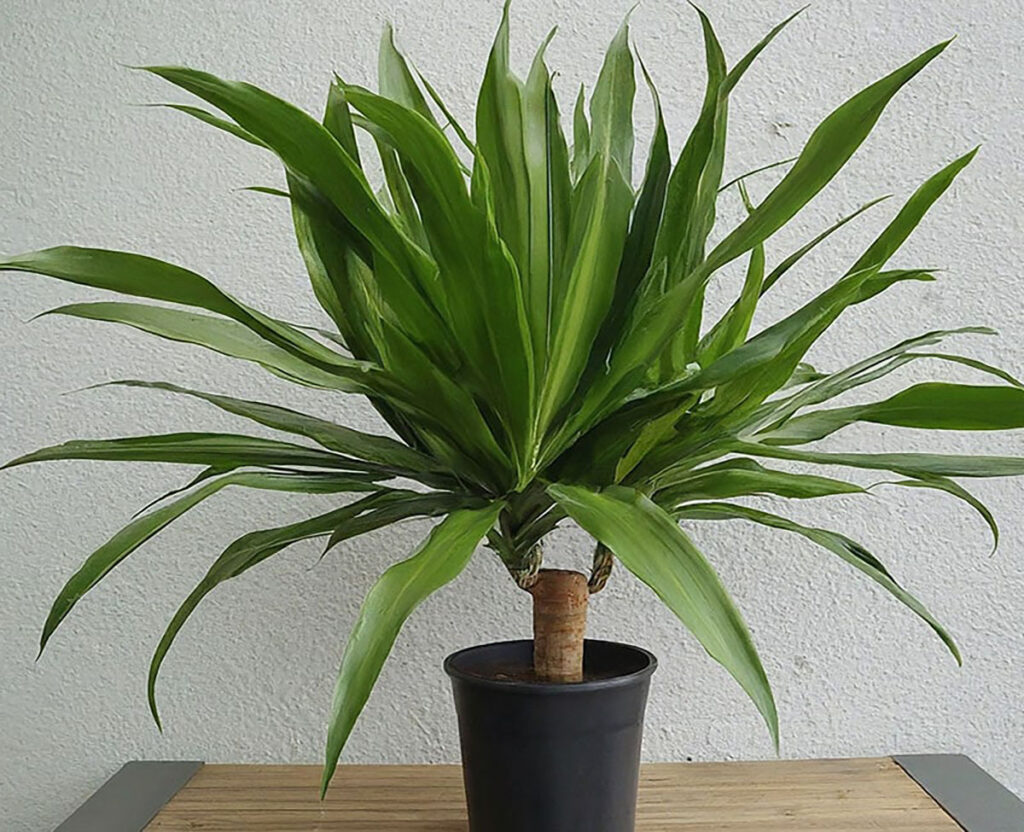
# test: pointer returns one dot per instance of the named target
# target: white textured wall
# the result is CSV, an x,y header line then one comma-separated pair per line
x,y
250,676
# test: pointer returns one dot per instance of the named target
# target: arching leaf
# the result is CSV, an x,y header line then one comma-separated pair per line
x,y
439,559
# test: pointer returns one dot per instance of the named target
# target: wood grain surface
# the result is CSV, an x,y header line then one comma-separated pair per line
x,y
833,795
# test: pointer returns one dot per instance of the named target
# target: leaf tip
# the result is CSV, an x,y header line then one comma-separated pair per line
x,y
325,778
42,314
154,712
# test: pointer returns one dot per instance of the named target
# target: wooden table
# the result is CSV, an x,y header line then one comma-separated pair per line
x,y
891,794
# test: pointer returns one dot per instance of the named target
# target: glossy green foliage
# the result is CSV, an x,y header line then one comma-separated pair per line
x,y
529,323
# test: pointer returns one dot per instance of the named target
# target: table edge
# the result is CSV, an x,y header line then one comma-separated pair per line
x,y
967,793
136,793
132,797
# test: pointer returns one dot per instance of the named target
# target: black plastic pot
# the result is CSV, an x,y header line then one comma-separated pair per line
x,y
549,756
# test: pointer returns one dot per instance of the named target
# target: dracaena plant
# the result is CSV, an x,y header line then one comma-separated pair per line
x,y
530,325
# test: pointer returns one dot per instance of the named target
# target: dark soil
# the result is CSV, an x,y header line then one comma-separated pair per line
x,y
515,672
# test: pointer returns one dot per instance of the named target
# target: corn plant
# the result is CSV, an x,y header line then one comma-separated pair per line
x,y
530,326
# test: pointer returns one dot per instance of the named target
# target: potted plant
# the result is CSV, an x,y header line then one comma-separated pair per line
x,y
531,329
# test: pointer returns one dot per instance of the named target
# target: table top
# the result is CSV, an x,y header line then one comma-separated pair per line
x,y
838,795
919,793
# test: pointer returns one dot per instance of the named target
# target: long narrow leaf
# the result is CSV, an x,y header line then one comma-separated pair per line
x,y
499,139
655,549
931,406
226,337
913,464
744,478
99,564
307,148
861,372
791,260
379,450
911,214
194,449
243,554
600,223
829,148
488,317
952,487
849,550
439,560
547,170
134,274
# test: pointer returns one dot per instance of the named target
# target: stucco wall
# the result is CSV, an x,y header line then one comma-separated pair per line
x,y
250,676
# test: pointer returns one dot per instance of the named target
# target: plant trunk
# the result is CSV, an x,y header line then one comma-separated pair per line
x,y
559,624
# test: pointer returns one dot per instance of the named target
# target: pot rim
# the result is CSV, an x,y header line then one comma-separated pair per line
x,y
551,688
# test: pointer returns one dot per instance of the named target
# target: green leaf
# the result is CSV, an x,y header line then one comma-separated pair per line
x,y
744,377
214,121
655,549
744,176
241,555
194,449
596,241
894,235
611,105
215,471
913,464
500,142
268,190
743,478
638,251
394,507
447,416
700,173
829,147
732,328
324,280
308,149
932,406
958,491
487,317
451,121
338,119
601,210
794,258
580,136
803,374
974,363
439,560
693,185
134,274
338,270
857,374
221,335
849,550
395,80
547,170
398,188
99,564
380,450
738,71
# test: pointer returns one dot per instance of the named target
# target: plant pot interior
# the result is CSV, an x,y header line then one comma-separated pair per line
x,y
512,662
